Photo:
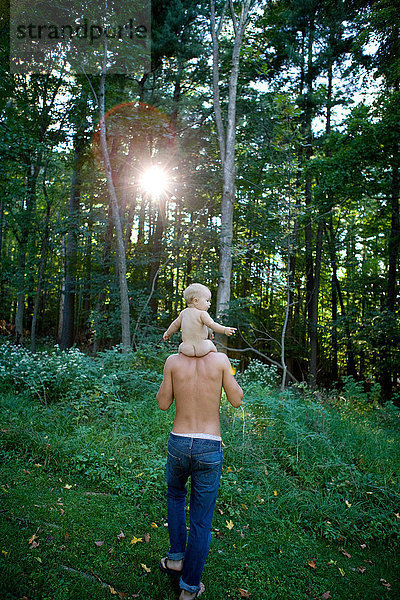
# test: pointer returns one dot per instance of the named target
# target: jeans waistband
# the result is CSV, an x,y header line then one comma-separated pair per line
x,y
199,436
187,442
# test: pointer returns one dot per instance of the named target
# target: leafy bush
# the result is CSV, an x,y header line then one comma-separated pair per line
x,y
73,376
259,373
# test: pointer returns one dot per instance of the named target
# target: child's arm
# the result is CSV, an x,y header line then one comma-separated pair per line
x,y
207,320
175,326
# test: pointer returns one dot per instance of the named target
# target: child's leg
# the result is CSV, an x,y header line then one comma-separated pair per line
x,y
204,347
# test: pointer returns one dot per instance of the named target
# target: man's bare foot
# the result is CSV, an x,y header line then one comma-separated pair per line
x,y
167,565
188,596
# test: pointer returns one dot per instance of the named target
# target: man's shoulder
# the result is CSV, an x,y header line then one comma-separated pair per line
x,y
215,357
218,358
171,359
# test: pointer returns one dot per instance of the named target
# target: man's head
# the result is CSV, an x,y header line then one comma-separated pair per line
x,y
198,295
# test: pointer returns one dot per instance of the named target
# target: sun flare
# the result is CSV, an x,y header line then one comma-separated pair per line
x,y
154,181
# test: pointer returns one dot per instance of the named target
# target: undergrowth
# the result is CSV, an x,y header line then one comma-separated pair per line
x,y
308,501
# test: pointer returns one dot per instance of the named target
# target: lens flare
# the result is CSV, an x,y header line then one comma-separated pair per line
x,y
154,181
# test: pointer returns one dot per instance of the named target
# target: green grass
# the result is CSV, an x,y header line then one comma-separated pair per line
x,y
307,477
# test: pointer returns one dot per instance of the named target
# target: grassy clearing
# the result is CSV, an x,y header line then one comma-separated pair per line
x,y
308,503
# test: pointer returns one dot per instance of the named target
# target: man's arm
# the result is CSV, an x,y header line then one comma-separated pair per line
x,y
173,328
207,320
165,394
233,391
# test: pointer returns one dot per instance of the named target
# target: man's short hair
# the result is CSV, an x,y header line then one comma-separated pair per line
x,y
193,290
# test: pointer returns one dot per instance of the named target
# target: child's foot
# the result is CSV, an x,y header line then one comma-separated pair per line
x,y
167,565
188,596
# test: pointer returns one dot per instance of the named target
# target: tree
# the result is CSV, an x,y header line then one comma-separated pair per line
x,y
121,256
226,134
68,319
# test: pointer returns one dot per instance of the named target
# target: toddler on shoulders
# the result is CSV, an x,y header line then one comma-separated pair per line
x,y
196,324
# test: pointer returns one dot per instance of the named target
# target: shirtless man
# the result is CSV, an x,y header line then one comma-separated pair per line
x,y
194,449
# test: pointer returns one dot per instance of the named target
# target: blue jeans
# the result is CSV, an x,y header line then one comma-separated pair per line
x,y
202,460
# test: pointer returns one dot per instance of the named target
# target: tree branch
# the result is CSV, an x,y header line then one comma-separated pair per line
x,y
216,99
251,348
234,21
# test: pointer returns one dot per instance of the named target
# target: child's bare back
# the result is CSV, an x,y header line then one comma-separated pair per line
x,y
196,324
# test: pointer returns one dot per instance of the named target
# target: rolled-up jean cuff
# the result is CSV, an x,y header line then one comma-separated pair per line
x,y
192,589
175,555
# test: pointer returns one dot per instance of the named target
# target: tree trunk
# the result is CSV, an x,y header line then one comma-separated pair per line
x,y
105,272
43,256
394,239
25,245
291,282
61,307
226,139
387,377
178,252
287,312
87,299
19,316
156,258
121,257
68,321
351,367
314,307
312,287
334,336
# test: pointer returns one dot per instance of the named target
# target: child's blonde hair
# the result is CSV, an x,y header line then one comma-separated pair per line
x,y
193,290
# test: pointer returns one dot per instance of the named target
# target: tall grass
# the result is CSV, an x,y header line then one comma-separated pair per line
x,y
307,476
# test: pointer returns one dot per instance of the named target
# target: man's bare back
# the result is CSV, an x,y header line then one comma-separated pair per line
x,y
196,384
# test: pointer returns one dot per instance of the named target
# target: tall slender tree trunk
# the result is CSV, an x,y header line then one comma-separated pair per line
x,y
394,239
388,376
178,252
157,244
42,267
61,304
88,273
334,335
121,256
25,245
226,138
68,321
106,264
351,367
314,306
334,297
19,316
312,285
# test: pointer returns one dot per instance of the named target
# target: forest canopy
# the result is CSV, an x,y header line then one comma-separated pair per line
x,y
256,153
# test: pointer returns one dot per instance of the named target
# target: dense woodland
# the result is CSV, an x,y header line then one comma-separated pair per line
x,y
276,125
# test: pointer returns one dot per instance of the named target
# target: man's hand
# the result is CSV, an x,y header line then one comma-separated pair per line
x,y
229,330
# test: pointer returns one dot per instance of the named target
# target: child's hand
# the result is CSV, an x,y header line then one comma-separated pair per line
x,y
165,336
230,330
